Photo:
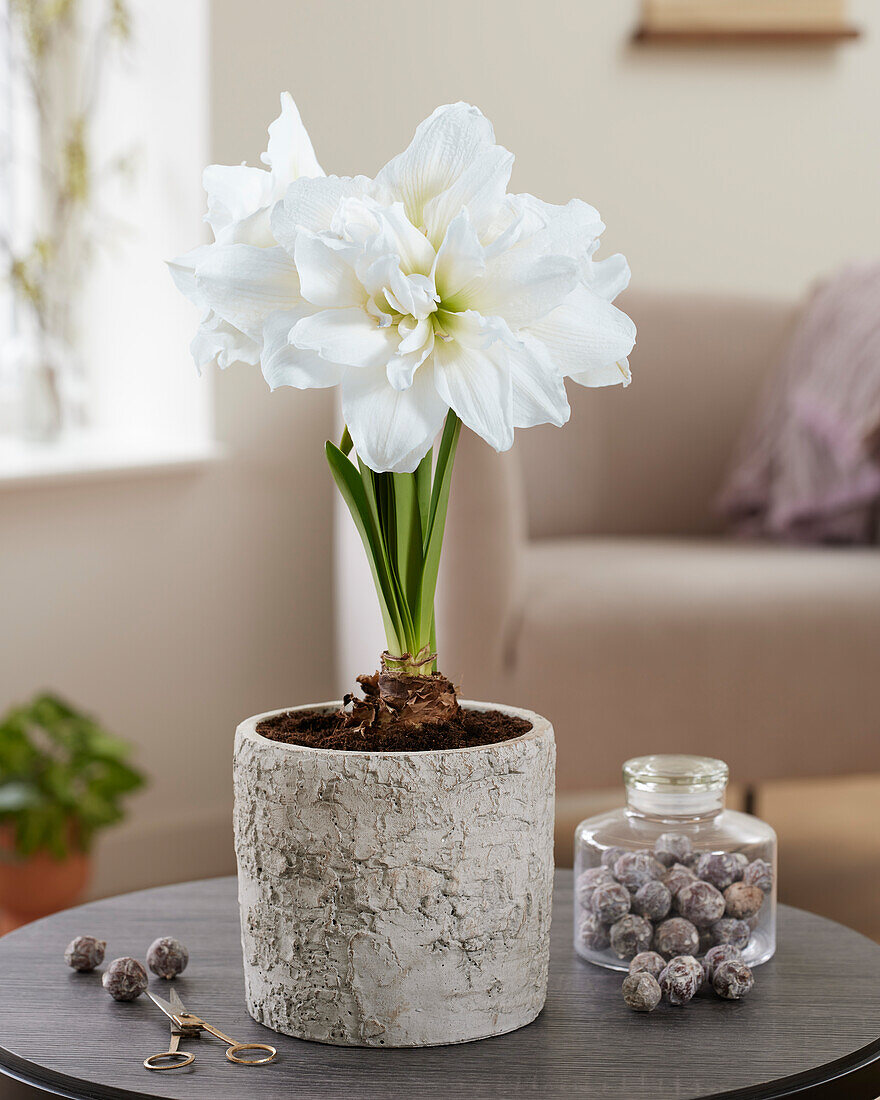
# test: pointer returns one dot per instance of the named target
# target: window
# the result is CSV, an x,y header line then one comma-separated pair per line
x,y
134,397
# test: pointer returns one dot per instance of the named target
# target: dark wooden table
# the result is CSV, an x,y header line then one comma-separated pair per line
x,y
810,1028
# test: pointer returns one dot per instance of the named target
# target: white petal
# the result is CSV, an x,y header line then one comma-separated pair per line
x,y
587,334
538,387
290,153
400,236
608,278
401,370
311,204
414,334
413,295
183,272
481,188
348,336
392,429
234,193
478,389
356,219
575,219
254,229
613,374
472,330
375,275
286,365
521,285
413,350
460,258
326,277
443,146
217,343
547,254
245,284
511,224
522,216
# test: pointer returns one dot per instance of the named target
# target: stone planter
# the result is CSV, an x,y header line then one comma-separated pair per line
x,y
395,899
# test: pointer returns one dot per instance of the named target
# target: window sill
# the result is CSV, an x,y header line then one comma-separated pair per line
x,y
90,457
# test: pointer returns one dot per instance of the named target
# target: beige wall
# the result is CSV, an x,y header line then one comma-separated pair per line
x,y
747,169
174,605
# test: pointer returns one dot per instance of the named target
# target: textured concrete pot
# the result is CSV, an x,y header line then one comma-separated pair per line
x,y
395,899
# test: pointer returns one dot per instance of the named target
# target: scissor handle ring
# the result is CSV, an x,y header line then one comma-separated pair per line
x,y
237,1047
184,1059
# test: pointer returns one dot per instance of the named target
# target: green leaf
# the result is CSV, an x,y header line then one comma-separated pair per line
x,y
30,831
96,808
423,490
100,746
445,456
376,488
17,796
437,519
408,538
59,769
119,777
56,831
50,708
59,782
351,486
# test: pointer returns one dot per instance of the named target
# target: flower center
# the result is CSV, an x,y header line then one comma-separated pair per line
x,y
400,296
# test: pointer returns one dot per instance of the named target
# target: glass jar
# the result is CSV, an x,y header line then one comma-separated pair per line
x,y
716,867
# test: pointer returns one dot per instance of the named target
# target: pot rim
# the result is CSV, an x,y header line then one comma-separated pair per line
x,y
541,728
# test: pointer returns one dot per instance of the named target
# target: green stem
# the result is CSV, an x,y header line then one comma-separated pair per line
x,y
401,520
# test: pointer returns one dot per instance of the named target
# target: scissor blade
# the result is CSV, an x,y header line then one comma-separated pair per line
x,y
177,1002
160,1002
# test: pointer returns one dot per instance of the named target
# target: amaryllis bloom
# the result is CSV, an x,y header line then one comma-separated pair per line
x,y
240,200
427,289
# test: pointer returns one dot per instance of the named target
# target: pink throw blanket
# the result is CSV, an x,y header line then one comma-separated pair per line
x,y
808,466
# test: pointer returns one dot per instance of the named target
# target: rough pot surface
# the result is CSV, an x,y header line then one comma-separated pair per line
x,y
395,899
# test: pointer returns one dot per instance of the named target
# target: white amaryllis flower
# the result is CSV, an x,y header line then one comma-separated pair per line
x,y
240,200
427,289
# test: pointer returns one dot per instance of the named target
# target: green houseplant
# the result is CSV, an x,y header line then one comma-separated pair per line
x,y
62,777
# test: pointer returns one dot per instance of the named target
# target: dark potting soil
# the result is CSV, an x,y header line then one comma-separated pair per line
x,y
320,730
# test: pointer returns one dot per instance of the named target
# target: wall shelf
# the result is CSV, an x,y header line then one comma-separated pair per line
x,y
824,36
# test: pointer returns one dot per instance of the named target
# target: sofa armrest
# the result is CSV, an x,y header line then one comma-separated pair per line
x,y
480,567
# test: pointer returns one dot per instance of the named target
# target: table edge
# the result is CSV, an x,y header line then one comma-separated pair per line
x,y
844,1071
58,1084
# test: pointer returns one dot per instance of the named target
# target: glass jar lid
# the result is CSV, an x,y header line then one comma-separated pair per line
x,y
675,773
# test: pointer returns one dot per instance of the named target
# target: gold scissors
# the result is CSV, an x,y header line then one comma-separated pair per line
x,y
184,1024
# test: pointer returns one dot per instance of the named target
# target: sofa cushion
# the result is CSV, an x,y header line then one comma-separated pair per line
x,y
766,656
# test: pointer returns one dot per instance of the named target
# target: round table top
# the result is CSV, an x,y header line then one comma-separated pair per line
x,y
811,1018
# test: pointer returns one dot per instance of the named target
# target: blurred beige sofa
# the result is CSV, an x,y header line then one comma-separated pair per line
x,y
586,574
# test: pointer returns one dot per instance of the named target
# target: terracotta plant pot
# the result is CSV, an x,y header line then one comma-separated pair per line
x,y
395,899
39,884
